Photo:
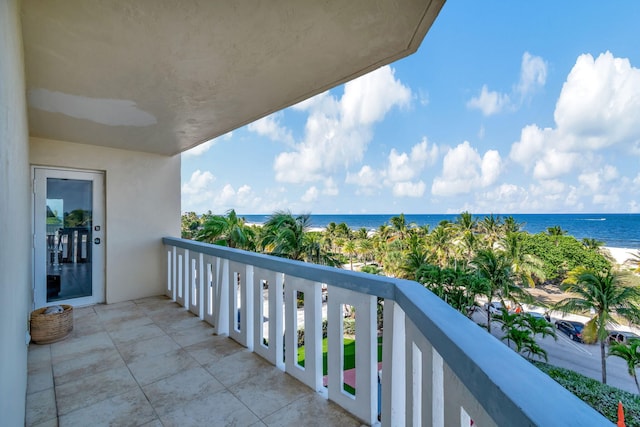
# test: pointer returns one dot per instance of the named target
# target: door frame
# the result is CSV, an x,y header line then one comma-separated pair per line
x,y
39,175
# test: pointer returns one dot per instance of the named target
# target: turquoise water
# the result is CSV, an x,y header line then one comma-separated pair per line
x,y
617,230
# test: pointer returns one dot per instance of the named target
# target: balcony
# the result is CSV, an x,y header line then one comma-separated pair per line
x,y
223,355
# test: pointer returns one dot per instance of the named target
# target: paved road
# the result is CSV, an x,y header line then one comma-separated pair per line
x,y
582,358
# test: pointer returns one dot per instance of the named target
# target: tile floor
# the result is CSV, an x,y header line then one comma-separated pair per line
x,y
149,362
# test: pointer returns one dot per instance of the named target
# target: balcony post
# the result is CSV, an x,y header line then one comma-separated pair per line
x,y
393,366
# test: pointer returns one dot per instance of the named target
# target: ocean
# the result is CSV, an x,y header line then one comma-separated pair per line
x,y
616,230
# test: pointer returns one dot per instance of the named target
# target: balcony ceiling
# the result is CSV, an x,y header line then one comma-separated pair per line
x,y
163,76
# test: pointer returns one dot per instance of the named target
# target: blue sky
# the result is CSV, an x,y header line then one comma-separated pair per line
x,y
507,107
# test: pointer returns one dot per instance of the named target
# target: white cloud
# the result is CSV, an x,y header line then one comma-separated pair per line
x,y
270,127
409,189
490,168
366,177
533,74
489,102
401,169
330,187
597,109
594,179
311,195
463,170
599,104
554,163
197,193
338,131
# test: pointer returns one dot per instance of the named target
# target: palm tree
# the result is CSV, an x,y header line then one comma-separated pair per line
x,y
593,244
441,242
525,266
365,246
491,227
350,248
630,353
465,222
510,225
635,258
284,235
556,230
229,230
189,225
604,293
494,267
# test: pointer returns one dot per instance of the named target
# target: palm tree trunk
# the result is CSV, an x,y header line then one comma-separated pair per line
x,y
489,319
635,378
603,362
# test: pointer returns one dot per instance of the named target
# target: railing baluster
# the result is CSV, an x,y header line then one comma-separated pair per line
x,y
168,287
201,283
365,402
187,282
393,365
311,374
273,351
432,374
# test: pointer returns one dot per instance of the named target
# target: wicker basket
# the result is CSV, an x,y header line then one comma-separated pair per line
x,y
48,328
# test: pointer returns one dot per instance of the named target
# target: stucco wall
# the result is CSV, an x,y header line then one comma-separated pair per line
x,y
15,225
142,202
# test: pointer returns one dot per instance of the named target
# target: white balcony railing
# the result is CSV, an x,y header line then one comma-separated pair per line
x,y
438,367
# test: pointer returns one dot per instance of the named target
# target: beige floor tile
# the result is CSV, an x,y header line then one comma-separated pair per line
x,y
170,393
174,319
39,377
135,333
311,411
181,366
154,423
88,363
90,389
78,346
87,323
237,367
38,354
41,406
147,370
197,333
216,409
184,321
53,422
282,390
213,349
149,347
127,409
155,303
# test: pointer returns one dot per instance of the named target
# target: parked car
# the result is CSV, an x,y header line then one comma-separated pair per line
x,y
495,308
571,328
536,315
621,336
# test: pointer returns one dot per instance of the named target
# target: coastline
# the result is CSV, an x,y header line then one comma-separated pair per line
x,y
621,255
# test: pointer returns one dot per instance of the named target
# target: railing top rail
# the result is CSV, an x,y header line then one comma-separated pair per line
x,y
509,388
367,284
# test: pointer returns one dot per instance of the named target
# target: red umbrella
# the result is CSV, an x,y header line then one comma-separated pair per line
x,y
621,415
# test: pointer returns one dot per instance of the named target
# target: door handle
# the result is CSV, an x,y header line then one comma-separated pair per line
x,y
96,240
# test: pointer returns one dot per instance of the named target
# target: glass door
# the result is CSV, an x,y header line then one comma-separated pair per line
x,y
68,237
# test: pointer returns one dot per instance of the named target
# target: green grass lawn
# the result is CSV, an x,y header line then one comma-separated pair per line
x,y
349,354
349,357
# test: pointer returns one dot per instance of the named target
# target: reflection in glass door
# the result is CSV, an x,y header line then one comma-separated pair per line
x,y
68,237
69,212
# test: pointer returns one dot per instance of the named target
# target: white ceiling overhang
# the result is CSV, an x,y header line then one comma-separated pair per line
x,y
163,76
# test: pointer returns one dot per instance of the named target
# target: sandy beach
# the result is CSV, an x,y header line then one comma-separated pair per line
x,y
621,255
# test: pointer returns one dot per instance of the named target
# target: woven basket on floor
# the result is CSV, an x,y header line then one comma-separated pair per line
x,y
48,328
